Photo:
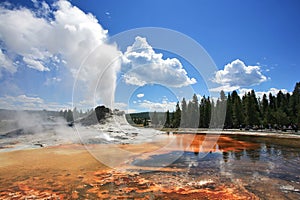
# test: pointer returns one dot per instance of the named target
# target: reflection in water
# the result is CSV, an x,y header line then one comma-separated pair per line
x,y
202,167
267,167
201,143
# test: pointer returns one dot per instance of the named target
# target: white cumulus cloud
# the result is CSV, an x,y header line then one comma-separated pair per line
x,y
225,88
237,74
144,66
140,95
69,34
6,64
162,106
24,102
35,64
21,102
273,91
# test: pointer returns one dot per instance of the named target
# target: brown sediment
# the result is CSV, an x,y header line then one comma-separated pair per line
x,y
116,184
192,143
213,143
71,172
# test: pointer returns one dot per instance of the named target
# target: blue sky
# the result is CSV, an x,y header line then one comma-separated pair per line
x,y
254,45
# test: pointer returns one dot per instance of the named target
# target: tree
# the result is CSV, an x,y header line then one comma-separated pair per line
x,y
189,115
237,110
219,123
220,111
272,102
265,110
61,113
194,114
183,113
282,115
69,116
167,123
251,109
257,114
228,118
75,113
281,109
207,112
154,119
295,104
177,116
145,124
271,114
222,96
298,116
213,114
202,112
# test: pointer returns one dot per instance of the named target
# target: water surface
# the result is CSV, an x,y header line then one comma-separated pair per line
x,y
180,166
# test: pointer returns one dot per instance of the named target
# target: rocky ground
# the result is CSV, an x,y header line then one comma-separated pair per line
x,y
113,128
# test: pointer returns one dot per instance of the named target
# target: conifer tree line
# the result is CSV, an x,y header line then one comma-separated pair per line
x,y
232,111
70,115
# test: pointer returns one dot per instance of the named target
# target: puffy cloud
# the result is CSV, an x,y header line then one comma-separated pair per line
x,y
69,34
43,9
22,33
144,66
35,64
6,63
158,106
237,74
25,99
260,94
24,102
225,88
21,102
140,95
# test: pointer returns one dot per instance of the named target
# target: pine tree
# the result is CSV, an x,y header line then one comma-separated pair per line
x,y
69,116
220,111
75,113
167,123
257,114
282,109
177,116
237,110
298,116
222,96
194,119
184,116
202,112
218,115
213,115
172,119
145,124
228,118
189,115
207,112
295,104
154,120
251,109
265,110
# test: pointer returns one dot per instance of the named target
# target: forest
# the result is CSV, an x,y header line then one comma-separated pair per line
x,y
232,111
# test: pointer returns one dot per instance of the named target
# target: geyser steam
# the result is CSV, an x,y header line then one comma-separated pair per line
x,y
63,35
